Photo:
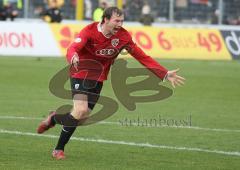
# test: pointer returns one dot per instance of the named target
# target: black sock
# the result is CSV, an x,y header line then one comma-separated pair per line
x,y
64,137
53,122
65,120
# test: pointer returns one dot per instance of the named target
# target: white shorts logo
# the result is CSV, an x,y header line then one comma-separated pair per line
x,y
77,40
76,86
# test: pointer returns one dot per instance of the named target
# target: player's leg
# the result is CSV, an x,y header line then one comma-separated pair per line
x,y
48,123
79,109
83,103
80,106
79,112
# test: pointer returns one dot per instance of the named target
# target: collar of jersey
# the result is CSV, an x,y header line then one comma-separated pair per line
x,y
99,28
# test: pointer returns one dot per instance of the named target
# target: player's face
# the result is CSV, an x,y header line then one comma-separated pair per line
x,y
115,23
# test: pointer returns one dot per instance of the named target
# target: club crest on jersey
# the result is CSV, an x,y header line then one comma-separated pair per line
x,y
115,42
77,40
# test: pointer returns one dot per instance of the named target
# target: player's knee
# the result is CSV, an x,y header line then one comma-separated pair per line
x,y
83,110
80,112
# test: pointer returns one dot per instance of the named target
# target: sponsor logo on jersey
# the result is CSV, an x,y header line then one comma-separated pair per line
x,y
106,52
115,42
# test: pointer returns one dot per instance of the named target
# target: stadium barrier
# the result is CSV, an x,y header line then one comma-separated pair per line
x,y
171,42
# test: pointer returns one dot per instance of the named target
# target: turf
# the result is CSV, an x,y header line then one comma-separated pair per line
x,y
210,96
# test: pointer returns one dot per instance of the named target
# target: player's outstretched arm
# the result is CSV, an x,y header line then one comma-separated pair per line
x,y
175,79
154,66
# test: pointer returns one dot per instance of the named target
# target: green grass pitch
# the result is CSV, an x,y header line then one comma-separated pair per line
x,y
211,96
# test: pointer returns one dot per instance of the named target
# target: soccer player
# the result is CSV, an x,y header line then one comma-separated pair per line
x,y
91,54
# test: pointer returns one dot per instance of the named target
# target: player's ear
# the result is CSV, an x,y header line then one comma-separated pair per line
x,y
106,20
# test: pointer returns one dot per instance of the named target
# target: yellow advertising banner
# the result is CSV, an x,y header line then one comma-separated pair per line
x,y
161,42
65,34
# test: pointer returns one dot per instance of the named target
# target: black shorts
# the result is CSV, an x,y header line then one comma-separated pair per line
x,y
91,88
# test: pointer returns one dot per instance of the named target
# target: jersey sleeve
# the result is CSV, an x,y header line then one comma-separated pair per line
x,y
78,43
146,60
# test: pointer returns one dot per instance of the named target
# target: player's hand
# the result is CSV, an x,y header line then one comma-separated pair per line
x,y
75,61
174,78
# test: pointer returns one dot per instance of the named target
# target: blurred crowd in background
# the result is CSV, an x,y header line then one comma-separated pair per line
x,y
144,11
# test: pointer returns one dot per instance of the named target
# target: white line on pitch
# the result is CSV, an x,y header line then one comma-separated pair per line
x,y
148,145
136,125
20,117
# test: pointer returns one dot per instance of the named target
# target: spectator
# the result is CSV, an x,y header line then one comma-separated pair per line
x,y
98,12
134,8
88,9
125,10
2,14
180,7
215,17
10,9
146,18
56,3
53,14
233,20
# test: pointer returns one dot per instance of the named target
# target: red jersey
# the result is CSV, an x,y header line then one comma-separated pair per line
x,y
97,53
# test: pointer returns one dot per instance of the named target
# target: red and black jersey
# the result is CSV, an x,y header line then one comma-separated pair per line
x,y
97,53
